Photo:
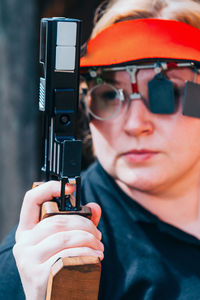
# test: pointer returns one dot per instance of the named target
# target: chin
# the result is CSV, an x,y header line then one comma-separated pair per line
x,y
144,186
143,179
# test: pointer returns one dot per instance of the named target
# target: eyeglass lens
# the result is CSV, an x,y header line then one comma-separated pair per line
x,y
104,101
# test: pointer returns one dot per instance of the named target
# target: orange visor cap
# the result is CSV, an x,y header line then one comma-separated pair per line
x,y
143,39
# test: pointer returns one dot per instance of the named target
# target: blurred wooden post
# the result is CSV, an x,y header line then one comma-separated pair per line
x,y
18,106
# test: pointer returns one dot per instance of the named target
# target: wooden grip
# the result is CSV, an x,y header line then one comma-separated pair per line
x,y
50,208
74,278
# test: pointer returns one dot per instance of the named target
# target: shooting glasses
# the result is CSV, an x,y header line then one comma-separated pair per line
x,y
104,101
137,44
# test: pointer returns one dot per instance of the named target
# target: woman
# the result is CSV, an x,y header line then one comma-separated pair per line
x,y
143,82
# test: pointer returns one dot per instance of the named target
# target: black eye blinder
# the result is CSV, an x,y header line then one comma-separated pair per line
x,y
161,95
191,100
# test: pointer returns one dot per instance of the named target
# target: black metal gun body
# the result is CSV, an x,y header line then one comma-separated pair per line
x,y
58,102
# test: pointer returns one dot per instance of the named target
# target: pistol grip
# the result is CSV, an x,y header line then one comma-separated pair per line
x,y
72,277
50,208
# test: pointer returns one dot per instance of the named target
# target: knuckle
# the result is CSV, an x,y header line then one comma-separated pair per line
x,y
86,221
70,221
52,185
18,250
77,219
90,237
59,221
87,251
28,195
53,224
63,238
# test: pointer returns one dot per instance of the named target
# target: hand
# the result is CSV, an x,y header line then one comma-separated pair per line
x,y
40,244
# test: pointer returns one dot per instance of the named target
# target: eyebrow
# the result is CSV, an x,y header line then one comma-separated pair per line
x,y
109,77
111,80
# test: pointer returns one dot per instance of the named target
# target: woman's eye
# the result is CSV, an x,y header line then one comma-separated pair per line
x,y
109,95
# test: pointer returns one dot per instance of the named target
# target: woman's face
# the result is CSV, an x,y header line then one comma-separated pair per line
x,y
145,151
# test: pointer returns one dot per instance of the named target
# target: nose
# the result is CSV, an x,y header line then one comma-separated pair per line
x,y
138,119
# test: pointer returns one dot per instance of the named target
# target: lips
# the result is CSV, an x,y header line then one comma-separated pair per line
x,y
139,156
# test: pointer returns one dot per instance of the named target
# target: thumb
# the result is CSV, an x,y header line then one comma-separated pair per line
x,y
96,212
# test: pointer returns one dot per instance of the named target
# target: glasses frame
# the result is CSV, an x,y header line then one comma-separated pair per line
x,y
132,70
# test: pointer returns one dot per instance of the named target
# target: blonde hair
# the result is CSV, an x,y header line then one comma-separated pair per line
x,y
187,11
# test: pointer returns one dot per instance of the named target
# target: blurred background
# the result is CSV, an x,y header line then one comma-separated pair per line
x,y
19,82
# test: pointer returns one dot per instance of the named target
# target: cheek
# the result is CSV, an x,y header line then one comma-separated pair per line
x,y
97,137
105,133
182,135
104,144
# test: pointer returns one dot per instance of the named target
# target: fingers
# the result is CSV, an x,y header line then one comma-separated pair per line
x,y
66,240
96,212
82,251
59,223
40,244
33,199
